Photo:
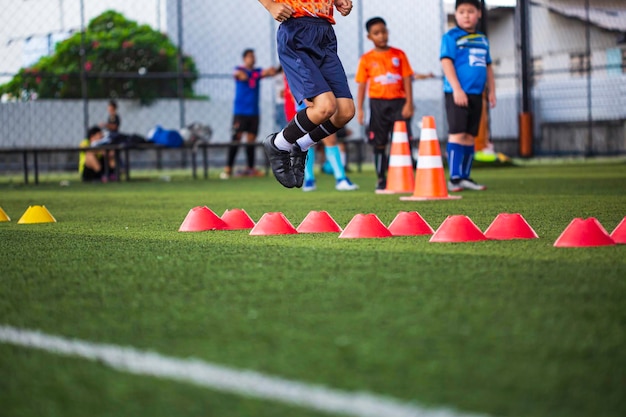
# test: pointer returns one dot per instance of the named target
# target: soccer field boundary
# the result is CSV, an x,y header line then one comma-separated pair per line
x,y
224,379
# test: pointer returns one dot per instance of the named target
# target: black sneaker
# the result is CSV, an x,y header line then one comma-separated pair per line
x,y
280,161
298,163
381,184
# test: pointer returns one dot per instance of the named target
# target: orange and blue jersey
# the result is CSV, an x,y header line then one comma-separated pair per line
x,y
322,9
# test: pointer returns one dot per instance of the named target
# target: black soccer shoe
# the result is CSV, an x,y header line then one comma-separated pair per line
x,y
280,161
298,163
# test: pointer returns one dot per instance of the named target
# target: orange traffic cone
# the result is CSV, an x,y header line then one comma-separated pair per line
x,y
430,180
400,175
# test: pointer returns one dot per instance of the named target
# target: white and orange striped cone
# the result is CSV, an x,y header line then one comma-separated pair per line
x,y
400,175
430,180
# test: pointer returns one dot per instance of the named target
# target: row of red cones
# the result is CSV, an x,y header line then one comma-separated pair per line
x,y
580,232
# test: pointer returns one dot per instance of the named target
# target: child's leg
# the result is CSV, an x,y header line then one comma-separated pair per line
x,y
343,113
309,173
380,162
250,150
315,120
456,155
380,127
232,152
466,166
473,124
299,126
468,159
342,152
333,156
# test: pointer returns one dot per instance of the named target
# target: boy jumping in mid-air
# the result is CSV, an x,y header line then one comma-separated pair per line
x,y
307,50
466,65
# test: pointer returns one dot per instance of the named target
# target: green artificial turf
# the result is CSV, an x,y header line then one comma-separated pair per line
x,y
506,328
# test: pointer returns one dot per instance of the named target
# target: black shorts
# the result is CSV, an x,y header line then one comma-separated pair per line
x,y
91,175
248,124
464,119
383,115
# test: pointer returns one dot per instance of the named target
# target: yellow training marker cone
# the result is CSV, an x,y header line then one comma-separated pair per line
x,y
36,214
3,216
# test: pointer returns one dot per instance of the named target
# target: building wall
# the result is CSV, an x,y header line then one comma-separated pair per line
x,y
554,37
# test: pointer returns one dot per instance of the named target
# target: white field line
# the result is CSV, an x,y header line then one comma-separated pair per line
x,y
220,378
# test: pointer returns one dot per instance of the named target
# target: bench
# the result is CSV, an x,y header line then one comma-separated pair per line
x,y
123,151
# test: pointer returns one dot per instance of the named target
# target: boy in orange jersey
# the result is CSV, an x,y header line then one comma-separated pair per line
x,y
389,75
307,50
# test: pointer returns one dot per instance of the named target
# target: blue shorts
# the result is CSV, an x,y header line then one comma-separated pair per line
x,y
307,50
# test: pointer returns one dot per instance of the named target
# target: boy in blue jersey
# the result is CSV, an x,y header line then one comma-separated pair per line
x,y
466,65
246,110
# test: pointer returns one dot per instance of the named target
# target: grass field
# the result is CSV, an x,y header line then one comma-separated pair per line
x,y
512,328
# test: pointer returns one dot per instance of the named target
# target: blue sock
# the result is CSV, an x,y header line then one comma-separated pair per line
x,y
468,158
327,168
455,160
310,164
334,157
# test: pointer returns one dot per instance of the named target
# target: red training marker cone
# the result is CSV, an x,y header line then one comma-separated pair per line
x,y
458,229
200,219
584,233
237,219
410,224
619,234
365,226
273,224
510,226
318,222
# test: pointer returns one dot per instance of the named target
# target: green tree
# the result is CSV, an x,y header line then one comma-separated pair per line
x,y
122,60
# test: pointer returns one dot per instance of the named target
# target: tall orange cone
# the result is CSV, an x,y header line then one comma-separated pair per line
x,y
430,180
400,175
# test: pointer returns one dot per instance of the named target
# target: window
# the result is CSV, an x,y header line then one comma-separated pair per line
x,y
578,64
615,58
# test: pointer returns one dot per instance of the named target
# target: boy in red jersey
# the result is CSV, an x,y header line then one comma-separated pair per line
x,y
389,75
307,50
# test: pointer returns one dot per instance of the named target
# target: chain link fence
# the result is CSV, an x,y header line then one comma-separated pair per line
x,y
578,50
174,67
